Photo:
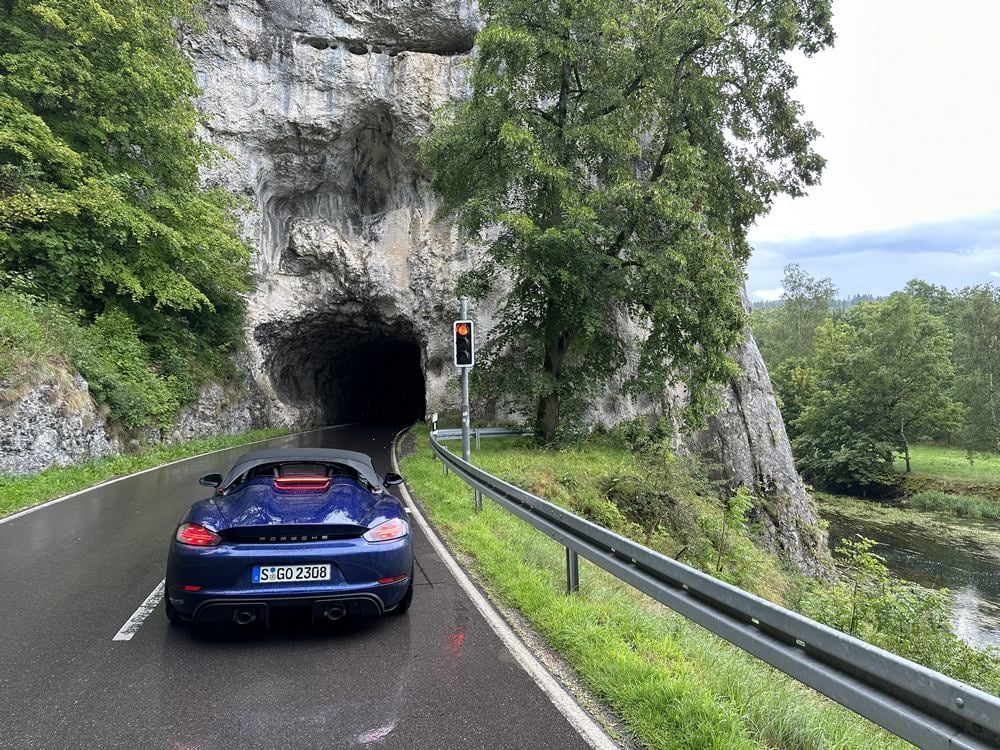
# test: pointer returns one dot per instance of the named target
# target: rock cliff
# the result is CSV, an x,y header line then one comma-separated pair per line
x,y
318,103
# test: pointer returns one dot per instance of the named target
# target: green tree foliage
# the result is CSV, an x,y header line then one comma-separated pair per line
x,y
794,387
100,204
883,379
610,159
787,331
976,321
937,298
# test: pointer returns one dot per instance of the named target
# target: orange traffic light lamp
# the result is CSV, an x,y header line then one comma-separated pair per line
x,y
464,343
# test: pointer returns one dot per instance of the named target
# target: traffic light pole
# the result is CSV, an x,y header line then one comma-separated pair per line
x,y
466,419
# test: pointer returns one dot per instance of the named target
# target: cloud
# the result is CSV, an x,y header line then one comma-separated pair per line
x,y
769,295
953,253
952,236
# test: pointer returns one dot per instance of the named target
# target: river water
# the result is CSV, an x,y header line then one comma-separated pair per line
x,y
970,569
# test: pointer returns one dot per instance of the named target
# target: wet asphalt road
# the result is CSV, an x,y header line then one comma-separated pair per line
x,y
73,573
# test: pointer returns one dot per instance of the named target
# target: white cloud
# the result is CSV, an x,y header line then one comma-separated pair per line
x,y
908,133
769,295
995,273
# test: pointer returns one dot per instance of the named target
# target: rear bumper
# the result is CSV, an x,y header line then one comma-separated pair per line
x,y
223,577
225,609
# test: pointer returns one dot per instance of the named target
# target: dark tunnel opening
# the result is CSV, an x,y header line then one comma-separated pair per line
x,y
357,371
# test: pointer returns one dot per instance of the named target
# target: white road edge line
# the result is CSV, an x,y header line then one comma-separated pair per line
x,y
132,625
566,704
32,509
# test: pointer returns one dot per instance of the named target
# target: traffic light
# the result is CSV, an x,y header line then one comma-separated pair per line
x,y
464,344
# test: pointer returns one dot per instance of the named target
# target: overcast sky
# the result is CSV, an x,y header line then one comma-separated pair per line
x,y
908,102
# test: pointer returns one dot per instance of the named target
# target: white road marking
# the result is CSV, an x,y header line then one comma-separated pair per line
x,y
579,719
132,625
33,508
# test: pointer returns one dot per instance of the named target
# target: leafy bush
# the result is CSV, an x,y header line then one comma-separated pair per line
x,y
103,216
28,335
116,364
139,390
839,459
905,618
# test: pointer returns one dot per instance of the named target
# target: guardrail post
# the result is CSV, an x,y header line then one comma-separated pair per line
x,y
444,465
572,571
477,438
479,500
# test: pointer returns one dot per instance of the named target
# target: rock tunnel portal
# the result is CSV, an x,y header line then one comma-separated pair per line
x,y
337,368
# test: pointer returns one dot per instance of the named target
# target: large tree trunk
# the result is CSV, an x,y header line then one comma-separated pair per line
x,y
906,444
548,415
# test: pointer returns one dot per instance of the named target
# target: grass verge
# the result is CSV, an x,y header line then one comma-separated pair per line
x,y
952,463
18,493
672,684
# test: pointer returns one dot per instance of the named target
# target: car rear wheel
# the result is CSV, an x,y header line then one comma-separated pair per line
x,y
172,615
406,601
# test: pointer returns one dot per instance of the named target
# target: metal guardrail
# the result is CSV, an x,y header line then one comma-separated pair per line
x,y
922,706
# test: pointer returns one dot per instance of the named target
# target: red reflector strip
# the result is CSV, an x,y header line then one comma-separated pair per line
x,y
186,588
394,579
302,483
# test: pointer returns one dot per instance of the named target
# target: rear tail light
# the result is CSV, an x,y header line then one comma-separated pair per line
x,y
395,528
197,536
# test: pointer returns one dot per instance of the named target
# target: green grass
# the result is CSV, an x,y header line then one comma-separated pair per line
x,y
672,684
18,493
964,506
952,463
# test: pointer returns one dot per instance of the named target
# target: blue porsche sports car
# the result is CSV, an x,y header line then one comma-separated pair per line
x,y
312,528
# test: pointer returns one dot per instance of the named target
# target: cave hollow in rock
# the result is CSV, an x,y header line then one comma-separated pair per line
x,y
347,368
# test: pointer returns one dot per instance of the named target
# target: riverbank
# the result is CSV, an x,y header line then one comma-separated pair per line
x,y
933,549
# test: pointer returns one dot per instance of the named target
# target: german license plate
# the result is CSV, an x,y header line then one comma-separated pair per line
x,y
290,573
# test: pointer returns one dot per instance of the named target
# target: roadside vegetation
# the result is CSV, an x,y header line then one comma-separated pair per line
x,y
672,684
18,493
114,260
614,481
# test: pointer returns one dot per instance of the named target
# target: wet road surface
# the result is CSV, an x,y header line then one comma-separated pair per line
x,y
73,573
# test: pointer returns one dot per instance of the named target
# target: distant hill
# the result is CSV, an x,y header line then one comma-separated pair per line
x,y
837,304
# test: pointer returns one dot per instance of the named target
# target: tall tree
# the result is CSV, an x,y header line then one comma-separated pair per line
x,y
883,379
610,159
976,318
937,298
787,331
100,200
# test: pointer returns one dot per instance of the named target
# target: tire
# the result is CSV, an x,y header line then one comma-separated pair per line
x,y
173,616
406,601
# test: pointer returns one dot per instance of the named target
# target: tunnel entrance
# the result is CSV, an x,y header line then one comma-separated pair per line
x,y
336,369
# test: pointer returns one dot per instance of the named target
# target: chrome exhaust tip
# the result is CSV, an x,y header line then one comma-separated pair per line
x,y
244,616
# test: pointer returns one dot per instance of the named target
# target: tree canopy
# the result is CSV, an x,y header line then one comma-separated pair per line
x,y
100,197
883,380
610,159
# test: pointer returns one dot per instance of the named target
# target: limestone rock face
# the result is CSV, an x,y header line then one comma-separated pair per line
x,y
53,423
747,438
319,103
